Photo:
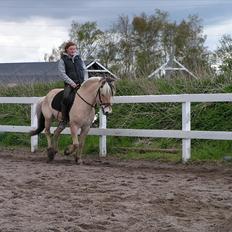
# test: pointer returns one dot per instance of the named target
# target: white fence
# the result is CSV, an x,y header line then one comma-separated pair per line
x,y
185,134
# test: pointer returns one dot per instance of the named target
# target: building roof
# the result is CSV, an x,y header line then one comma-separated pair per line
x,y
18,73
12,73
95,67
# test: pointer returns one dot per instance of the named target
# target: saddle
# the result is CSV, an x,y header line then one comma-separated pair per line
x,y
57,100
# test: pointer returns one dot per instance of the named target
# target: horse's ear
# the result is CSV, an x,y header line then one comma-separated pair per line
x,y
103,80
110,79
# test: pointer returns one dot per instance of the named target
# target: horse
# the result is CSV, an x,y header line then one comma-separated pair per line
x,y
94,91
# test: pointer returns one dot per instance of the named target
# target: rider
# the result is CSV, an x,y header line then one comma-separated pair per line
x,y
72,71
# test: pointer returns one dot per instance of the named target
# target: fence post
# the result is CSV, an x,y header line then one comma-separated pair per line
x,y
186,126
102,139
34,120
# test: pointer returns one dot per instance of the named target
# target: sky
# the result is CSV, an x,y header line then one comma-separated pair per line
x,y
31,28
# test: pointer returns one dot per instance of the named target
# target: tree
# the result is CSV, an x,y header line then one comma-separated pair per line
x,y
146,39
189,42
107,51
138,47
86,36
224,53
124,55
55,54
155,37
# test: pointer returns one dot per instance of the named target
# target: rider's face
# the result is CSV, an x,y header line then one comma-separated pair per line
x,y
72,50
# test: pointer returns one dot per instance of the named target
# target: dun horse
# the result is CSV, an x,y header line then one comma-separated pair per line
x,y
94,91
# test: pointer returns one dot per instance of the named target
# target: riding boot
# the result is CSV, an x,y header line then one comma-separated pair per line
x,y
64,120
64,106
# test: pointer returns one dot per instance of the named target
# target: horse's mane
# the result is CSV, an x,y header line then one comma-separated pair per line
x,y
107,89
90,80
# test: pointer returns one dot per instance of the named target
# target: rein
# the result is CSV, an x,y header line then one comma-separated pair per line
x,y
93,106
99,96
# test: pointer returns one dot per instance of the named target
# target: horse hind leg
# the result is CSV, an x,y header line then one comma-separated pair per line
x,y
50,149
48,132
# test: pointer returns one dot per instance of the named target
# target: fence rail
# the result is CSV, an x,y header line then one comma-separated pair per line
x,y
186,134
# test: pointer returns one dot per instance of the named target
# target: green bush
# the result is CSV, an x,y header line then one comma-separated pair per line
x,y
204,116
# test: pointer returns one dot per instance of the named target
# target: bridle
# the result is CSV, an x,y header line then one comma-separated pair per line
x,y
102,104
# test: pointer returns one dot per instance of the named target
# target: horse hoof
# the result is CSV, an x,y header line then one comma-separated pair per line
x,y
66,152
78,161
51,154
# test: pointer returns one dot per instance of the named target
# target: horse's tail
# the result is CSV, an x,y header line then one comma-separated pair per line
x,y
40,116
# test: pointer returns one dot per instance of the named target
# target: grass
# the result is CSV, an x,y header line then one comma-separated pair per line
x,y
149,156
211,150
204,116
201,150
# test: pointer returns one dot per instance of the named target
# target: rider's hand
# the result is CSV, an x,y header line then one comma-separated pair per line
x,y
74,85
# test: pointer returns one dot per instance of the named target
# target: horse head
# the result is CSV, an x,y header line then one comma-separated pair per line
x,y
105,94
102,90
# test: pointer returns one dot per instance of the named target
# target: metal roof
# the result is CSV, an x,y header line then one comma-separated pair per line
x,y
16,73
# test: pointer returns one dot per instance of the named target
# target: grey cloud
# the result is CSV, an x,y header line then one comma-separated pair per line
x,y
106,12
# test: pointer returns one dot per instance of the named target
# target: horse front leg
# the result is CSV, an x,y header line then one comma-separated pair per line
x,y
75,145
84,132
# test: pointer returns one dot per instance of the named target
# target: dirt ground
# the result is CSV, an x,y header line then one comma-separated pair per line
x,y
112,195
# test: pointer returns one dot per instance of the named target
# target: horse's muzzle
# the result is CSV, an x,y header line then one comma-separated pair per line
x,y
106,113
106,110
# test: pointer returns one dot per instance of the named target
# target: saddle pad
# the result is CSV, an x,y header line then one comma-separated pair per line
x,y
57,100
